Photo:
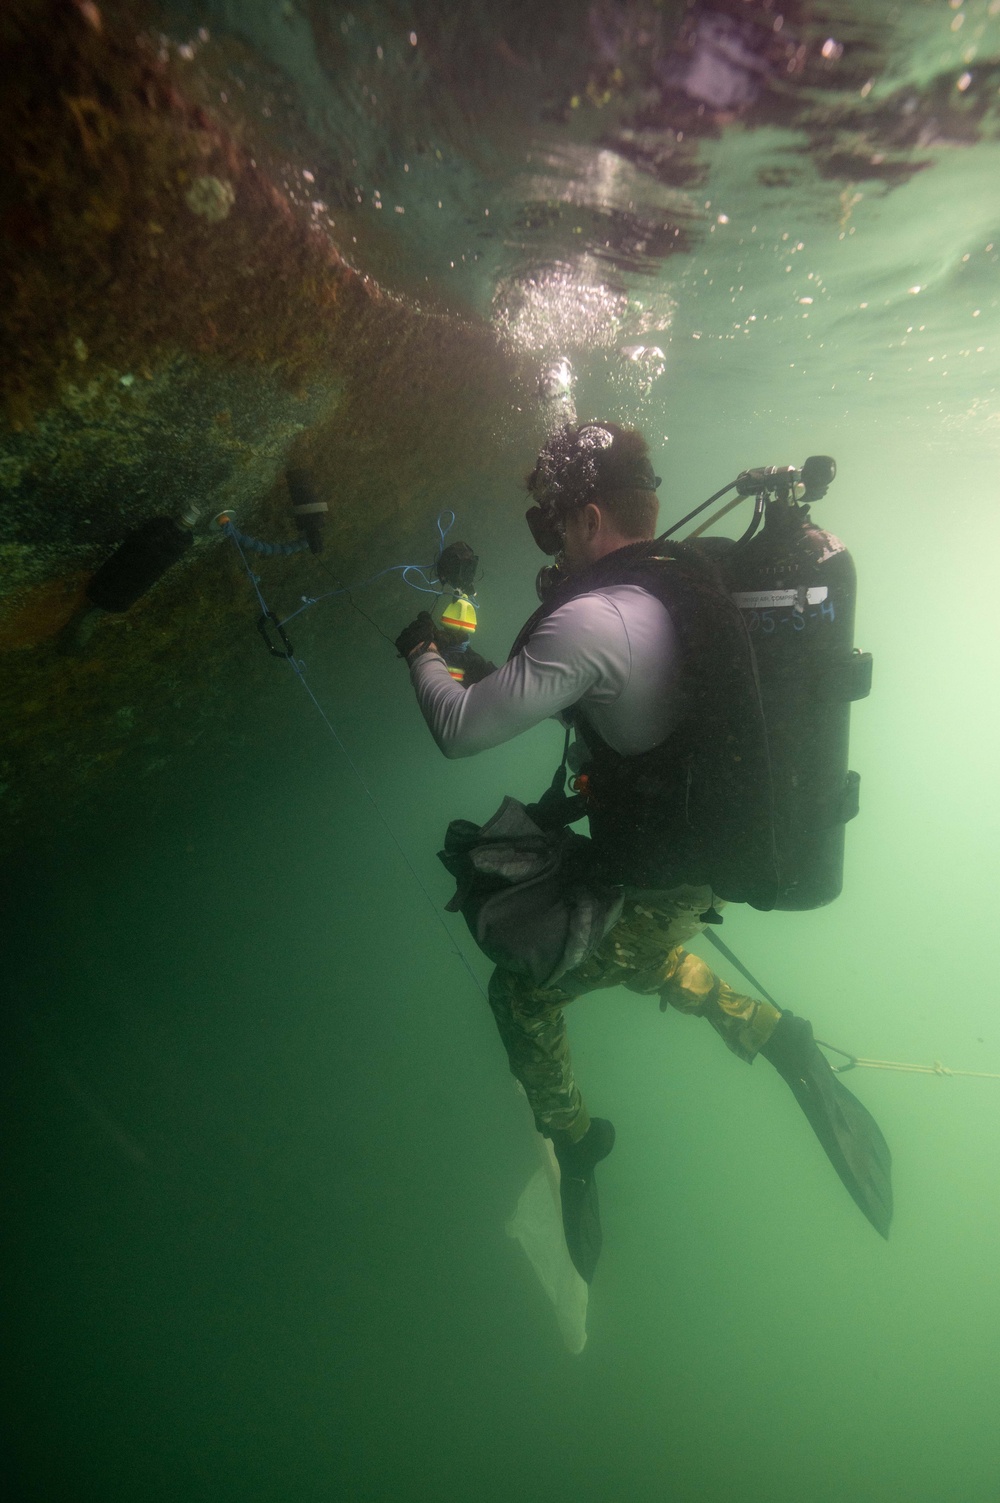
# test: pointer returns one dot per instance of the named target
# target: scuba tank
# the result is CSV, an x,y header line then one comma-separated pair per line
x,y
796,588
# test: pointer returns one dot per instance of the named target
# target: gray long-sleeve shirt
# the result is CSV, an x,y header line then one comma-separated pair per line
x,y
613,651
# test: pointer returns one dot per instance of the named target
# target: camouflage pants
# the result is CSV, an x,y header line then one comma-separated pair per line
x,y
643,953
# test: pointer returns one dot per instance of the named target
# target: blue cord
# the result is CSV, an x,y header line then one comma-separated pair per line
x,y
298,668
256,546
308,600
443,534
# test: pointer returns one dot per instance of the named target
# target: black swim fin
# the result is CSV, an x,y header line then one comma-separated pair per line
x,y
578,1194
851,1138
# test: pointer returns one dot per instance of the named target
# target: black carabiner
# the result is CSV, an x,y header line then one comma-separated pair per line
x,y
264,621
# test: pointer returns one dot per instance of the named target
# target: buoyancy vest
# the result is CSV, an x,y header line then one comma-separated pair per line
x,y
698,808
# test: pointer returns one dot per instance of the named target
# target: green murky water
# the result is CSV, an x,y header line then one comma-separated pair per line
x,y
263,1141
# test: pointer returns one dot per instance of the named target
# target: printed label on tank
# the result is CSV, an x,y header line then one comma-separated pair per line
x,y
769,600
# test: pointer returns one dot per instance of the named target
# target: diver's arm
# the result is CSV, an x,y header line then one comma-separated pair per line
x,y
581,645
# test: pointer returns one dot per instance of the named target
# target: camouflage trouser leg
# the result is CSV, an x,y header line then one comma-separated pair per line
x,y
643,953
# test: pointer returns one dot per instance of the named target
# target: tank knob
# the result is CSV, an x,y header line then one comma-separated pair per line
x,y
818,474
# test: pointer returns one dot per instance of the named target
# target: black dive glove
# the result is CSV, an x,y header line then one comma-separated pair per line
x,y
476,667
420,633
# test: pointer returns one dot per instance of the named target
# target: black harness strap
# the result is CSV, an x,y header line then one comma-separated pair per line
x,y
738,965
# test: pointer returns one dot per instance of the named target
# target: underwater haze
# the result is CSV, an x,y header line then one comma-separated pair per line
x,y
262,1145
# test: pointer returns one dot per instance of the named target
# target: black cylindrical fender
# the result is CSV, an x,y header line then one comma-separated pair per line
x,y
310,513
141,558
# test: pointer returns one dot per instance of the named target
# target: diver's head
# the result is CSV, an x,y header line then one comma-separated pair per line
x,y
594,492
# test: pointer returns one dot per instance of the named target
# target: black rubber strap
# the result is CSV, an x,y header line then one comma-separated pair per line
x,y
724,949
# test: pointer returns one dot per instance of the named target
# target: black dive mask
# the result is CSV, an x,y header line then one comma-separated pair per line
x,y
545,528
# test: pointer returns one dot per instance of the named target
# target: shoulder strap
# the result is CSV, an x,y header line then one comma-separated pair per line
x,y
639,563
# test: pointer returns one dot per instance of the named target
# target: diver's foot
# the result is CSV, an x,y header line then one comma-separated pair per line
x,y
578,1159
791,1048
578,1193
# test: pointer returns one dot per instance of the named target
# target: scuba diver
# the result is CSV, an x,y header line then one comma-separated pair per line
x,y
639,650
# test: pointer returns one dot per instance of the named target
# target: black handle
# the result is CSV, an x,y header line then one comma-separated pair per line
x,y
265,621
